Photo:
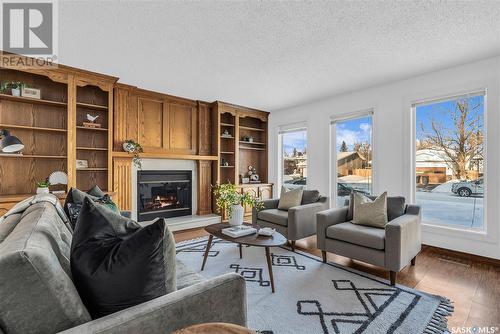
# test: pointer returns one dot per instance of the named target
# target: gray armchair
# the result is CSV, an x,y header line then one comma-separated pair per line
x,y
296,223
392,248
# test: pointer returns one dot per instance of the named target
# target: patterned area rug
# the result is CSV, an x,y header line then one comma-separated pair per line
x,y
314,297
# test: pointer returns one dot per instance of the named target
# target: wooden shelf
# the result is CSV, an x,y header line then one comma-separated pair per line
x,y
251,129
252,143
91,106
91,129
31,156
224,137
23,99
90,169
36,128
252,148
91,148
227,152
167,156
226,124
20,197
226,166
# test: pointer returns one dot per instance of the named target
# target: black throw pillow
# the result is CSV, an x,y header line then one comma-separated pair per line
x,y
74,201
116,264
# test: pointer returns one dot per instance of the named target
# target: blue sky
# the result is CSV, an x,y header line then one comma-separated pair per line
x,y
358,130
440,113
296,139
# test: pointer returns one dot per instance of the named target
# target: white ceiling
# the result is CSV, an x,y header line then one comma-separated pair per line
x,y
271,55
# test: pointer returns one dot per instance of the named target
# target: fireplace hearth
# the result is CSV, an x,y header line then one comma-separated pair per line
x,y
164,194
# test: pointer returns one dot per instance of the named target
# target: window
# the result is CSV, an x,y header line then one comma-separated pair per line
x,y
352,140
294,158
449,161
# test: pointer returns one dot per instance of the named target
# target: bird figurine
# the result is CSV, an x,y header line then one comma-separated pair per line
x,y
91,118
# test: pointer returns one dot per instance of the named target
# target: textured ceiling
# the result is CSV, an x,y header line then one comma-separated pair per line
x,y
272,55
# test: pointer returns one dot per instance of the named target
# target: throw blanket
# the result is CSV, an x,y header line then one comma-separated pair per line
x,y
49,198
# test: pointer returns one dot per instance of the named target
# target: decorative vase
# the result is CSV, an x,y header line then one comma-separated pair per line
x,y
16,92
236,217
44,190
128,147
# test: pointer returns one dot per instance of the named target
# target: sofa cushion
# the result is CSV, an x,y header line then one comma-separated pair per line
x,y
37,294
366,236
8,225
290,198
310,196
274,216
186,277
74,201
114,270
396,206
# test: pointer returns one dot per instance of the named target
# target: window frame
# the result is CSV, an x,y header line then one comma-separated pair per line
x,y
334,119
451,231
284,129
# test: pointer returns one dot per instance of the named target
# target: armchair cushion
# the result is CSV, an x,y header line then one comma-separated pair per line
x,y
290,198
395,206
366,236
310,196
275,216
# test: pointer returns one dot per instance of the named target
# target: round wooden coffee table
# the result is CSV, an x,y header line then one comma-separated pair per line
x,y
215,328
277,239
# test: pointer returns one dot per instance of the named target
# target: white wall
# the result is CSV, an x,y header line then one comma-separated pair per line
x,y
393,152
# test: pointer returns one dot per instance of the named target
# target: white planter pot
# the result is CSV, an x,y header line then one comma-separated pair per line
x,y
42,190
127,147
16,92
236,217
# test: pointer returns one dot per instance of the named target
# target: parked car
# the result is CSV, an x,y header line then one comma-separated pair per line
x,y
343,190
295,183
468,188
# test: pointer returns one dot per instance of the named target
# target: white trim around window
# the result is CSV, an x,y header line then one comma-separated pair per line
x,y
334,119
283,129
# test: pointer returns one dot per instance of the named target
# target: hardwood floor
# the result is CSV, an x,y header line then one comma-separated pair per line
x,y
472,283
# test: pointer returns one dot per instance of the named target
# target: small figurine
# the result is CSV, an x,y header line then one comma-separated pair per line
x,y
91,118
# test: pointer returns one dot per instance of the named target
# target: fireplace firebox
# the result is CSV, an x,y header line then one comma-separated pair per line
x,y
164,194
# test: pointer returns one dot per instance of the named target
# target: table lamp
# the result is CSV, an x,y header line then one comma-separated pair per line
x,y
9,143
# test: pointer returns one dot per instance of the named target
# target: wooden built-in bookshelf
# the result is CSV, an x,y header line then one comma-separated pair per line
x,y
51,129
238,150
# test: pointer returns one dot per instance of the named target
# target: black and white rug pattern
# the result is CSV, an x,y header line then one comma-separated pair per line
x,y
314,297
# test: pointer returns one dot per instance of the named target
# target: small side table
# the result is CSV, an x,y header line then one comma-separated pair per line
x,y
215,328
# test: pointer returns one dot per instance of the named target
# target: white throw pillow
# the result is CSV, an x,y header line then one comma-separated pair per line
x,y
368,212
290,198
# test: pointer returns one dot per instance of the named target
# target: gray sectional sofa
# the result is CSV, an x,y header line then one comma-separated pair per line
x,y
37,294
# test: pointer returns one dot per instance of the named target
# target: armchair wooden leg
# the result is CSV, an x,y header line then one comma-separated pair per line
x,y
413,261
323,255
393,275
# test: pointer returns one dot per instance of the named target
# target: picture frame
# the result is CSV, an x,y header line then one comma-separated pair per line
x,y
82,164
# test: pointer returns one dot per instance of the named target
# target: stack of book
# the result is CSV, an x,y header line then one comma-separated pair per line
x,y
239,231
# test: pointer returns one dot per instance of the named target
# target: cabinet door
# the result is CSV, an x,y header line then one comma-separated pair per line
x,y
182,128
4,207
204,187
204,129
265,192
151,124
253,191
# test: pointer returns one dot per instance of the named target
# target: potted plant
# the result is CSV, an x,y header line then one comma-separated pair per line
x,y
12,87
42,187
135,148
230,201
